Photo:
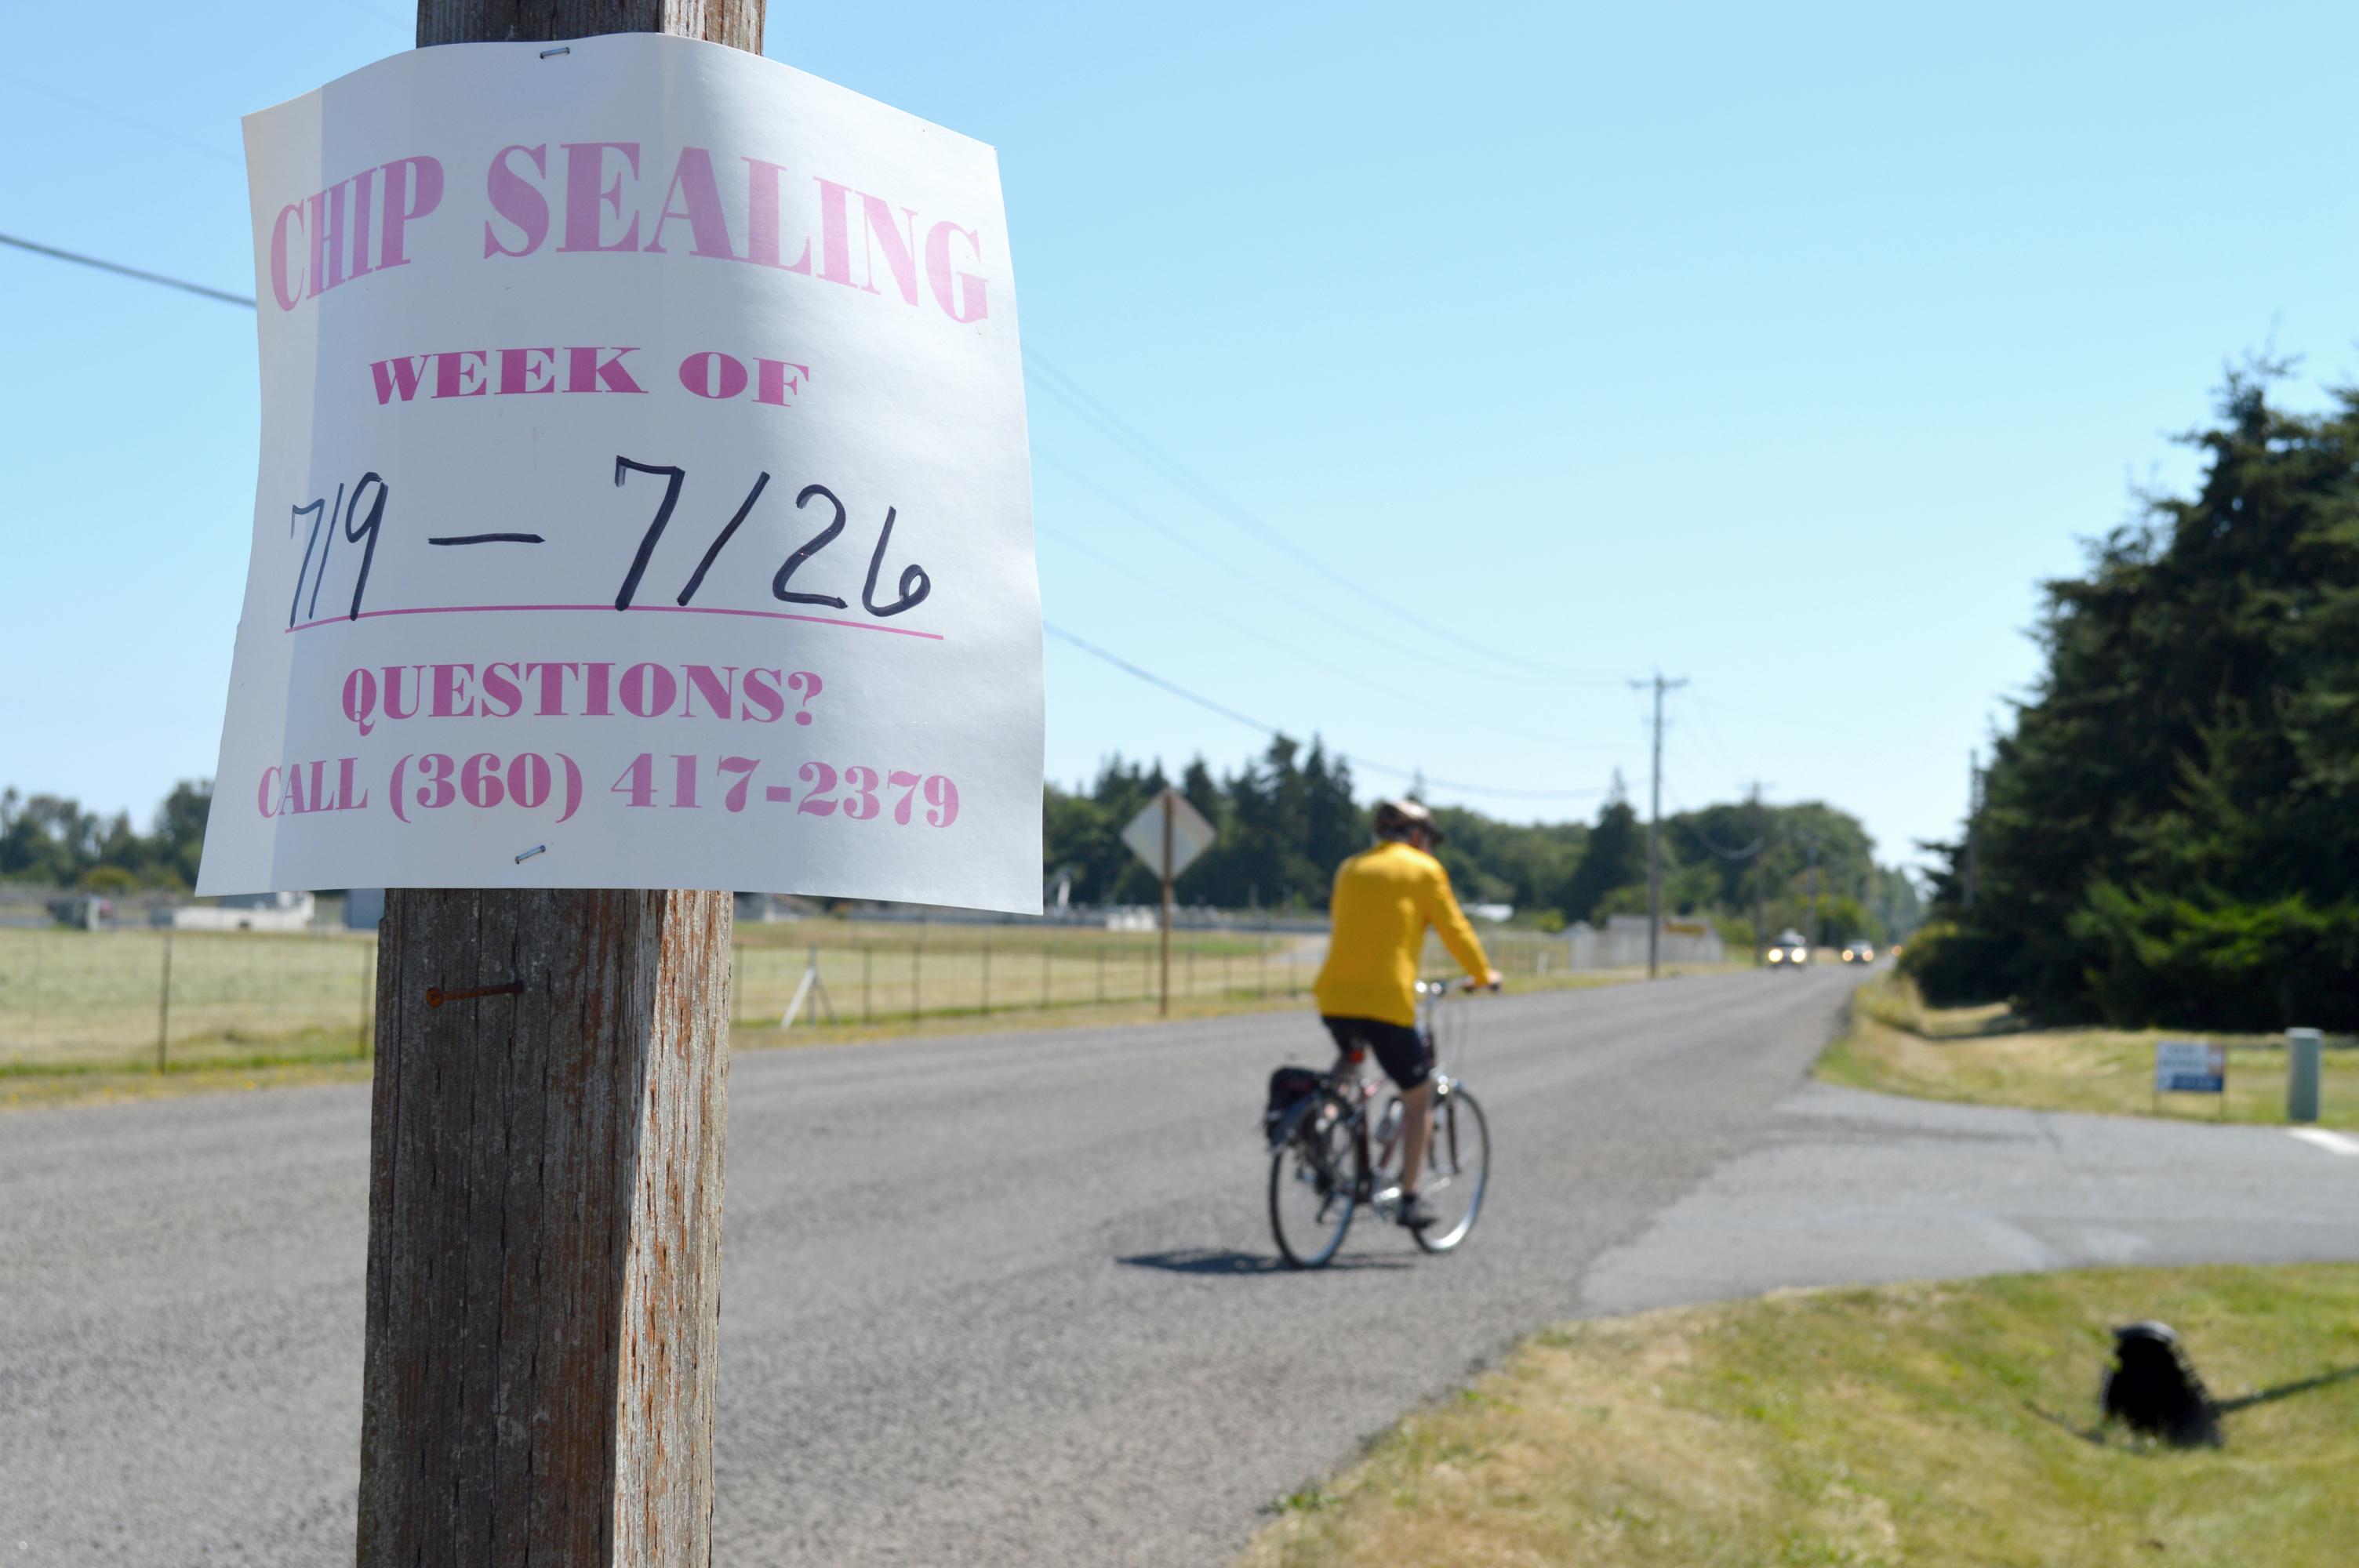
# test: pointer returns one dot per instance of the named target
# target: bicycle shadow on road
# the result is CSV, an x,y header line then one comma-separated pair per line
x,y
1227,1260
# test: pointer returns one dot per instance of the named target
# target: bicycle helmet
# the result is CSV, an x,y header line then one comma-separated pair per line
x,y
1396,818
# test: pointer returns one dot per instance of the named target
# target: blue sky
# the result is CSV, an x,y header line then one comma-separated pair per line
x,y
1784,353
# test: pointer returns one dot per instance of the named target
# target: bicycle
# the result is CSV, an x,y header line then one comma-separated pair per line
x,y
1326,1160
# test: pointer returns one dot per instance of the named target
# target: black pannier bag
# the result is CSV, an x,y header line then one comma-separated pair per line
x,y
1288,1086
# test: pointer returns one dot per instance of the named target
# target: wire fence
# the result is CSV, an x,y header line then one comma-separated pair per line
x,y
878,982
149,997
104,998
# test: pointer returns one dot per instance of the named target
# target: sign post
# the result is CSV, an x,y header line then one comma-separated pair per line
x,y
589,460
2190,1067
1168,835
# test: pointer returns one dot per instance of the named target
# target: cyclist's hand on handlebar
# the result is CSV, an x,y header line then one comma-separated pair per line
x,y
1493,981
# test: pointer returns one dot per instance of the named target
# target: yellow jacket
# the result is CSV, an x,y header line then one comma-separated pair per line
x,y
1384,900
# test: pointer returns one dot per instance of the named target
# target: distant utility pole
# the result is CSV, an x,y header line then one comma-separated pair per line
x,y
1655,826
1760,854
1811,946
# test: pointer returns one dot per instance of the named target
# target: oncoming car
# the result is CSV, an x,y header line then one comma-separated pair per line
x,y
1858,953
1789,951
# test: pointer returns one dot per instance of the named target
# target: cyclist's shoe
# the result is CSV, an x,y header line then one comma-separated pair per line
x,y
1416,1214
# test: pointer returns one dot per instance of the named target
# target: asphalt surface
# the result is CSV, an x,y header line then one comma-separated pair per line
x,y
1011,1299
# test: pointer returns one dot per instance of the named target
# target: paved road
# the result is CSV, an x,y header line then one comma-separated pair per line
x,y
1009,1299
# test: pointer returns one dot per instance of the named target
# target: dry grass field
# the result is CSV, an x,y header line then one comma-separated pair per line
x,y
1926,1425
75,1002
95,999
1984,1056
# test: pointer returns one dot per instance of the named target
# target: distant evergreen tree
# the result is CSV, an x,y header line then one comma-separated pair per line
x,y
1287,819
1081,833
1333,827
1616,857
2170,834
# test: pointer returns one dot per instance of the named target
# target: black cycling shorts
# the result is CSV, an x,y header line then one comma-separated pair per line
x,y
1398,1048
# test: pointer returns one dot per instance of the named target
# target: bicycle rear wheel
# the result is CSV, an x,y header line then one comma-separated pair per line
x,y
1315,1182
1457,1167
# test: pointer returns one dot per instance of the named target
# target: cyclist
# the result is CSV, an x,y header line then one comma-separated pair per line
x,y
1385,898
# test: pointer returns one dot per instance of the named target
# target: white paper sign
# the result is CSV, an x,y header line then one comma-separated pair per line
x,y
644,496
1190,833
2190,1067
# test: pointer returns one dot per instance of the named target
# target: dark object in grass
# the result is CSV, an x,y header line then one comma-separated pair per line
x,y
2153,1388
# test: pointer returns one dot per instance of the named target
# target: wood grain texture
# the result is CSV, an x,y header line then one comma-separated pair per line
x,y
737,23
545,1230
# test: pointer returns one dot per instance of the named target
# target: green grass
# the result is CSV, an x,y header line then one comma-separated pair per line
x,y
90,1000
80,1011
1984,1056
1926,1425
98,1085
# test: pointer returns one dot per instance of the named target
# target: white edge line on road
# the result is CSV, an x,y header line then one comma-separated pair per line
x,y
2332,1143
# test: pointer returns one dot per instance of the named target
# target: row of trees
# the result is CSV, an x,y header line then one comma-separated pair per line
x,y
2171,832
1288,818
47,839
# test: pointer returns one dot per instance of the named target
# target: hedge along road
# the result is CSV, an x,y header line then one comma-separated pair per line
x,y
1011,1299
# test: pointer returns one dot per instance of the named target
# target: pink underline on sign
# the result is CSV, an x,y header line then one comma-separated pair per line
x,y
636,609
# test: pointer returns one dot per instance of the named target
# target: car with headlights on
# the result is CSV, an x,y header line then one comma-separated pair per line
x,y
1789,951
1859,953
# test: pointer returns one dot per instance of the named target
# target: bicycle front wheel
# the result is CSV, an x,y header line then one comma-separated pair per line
x,y
1457,1169
1316,1178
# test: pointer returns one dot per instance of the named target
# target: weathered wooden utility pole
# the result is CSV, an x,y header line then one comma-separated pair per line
x,y
545,1162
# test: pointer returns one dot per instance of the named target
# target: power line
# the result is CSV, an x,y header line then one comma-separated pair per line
x,y
1273,730
1153,679
1042,530
1066,390
120,118
225,298
1174,536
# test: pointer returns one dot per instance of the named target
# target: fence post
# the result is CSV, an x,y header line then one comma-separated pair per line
x,y
163,1006
986,979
